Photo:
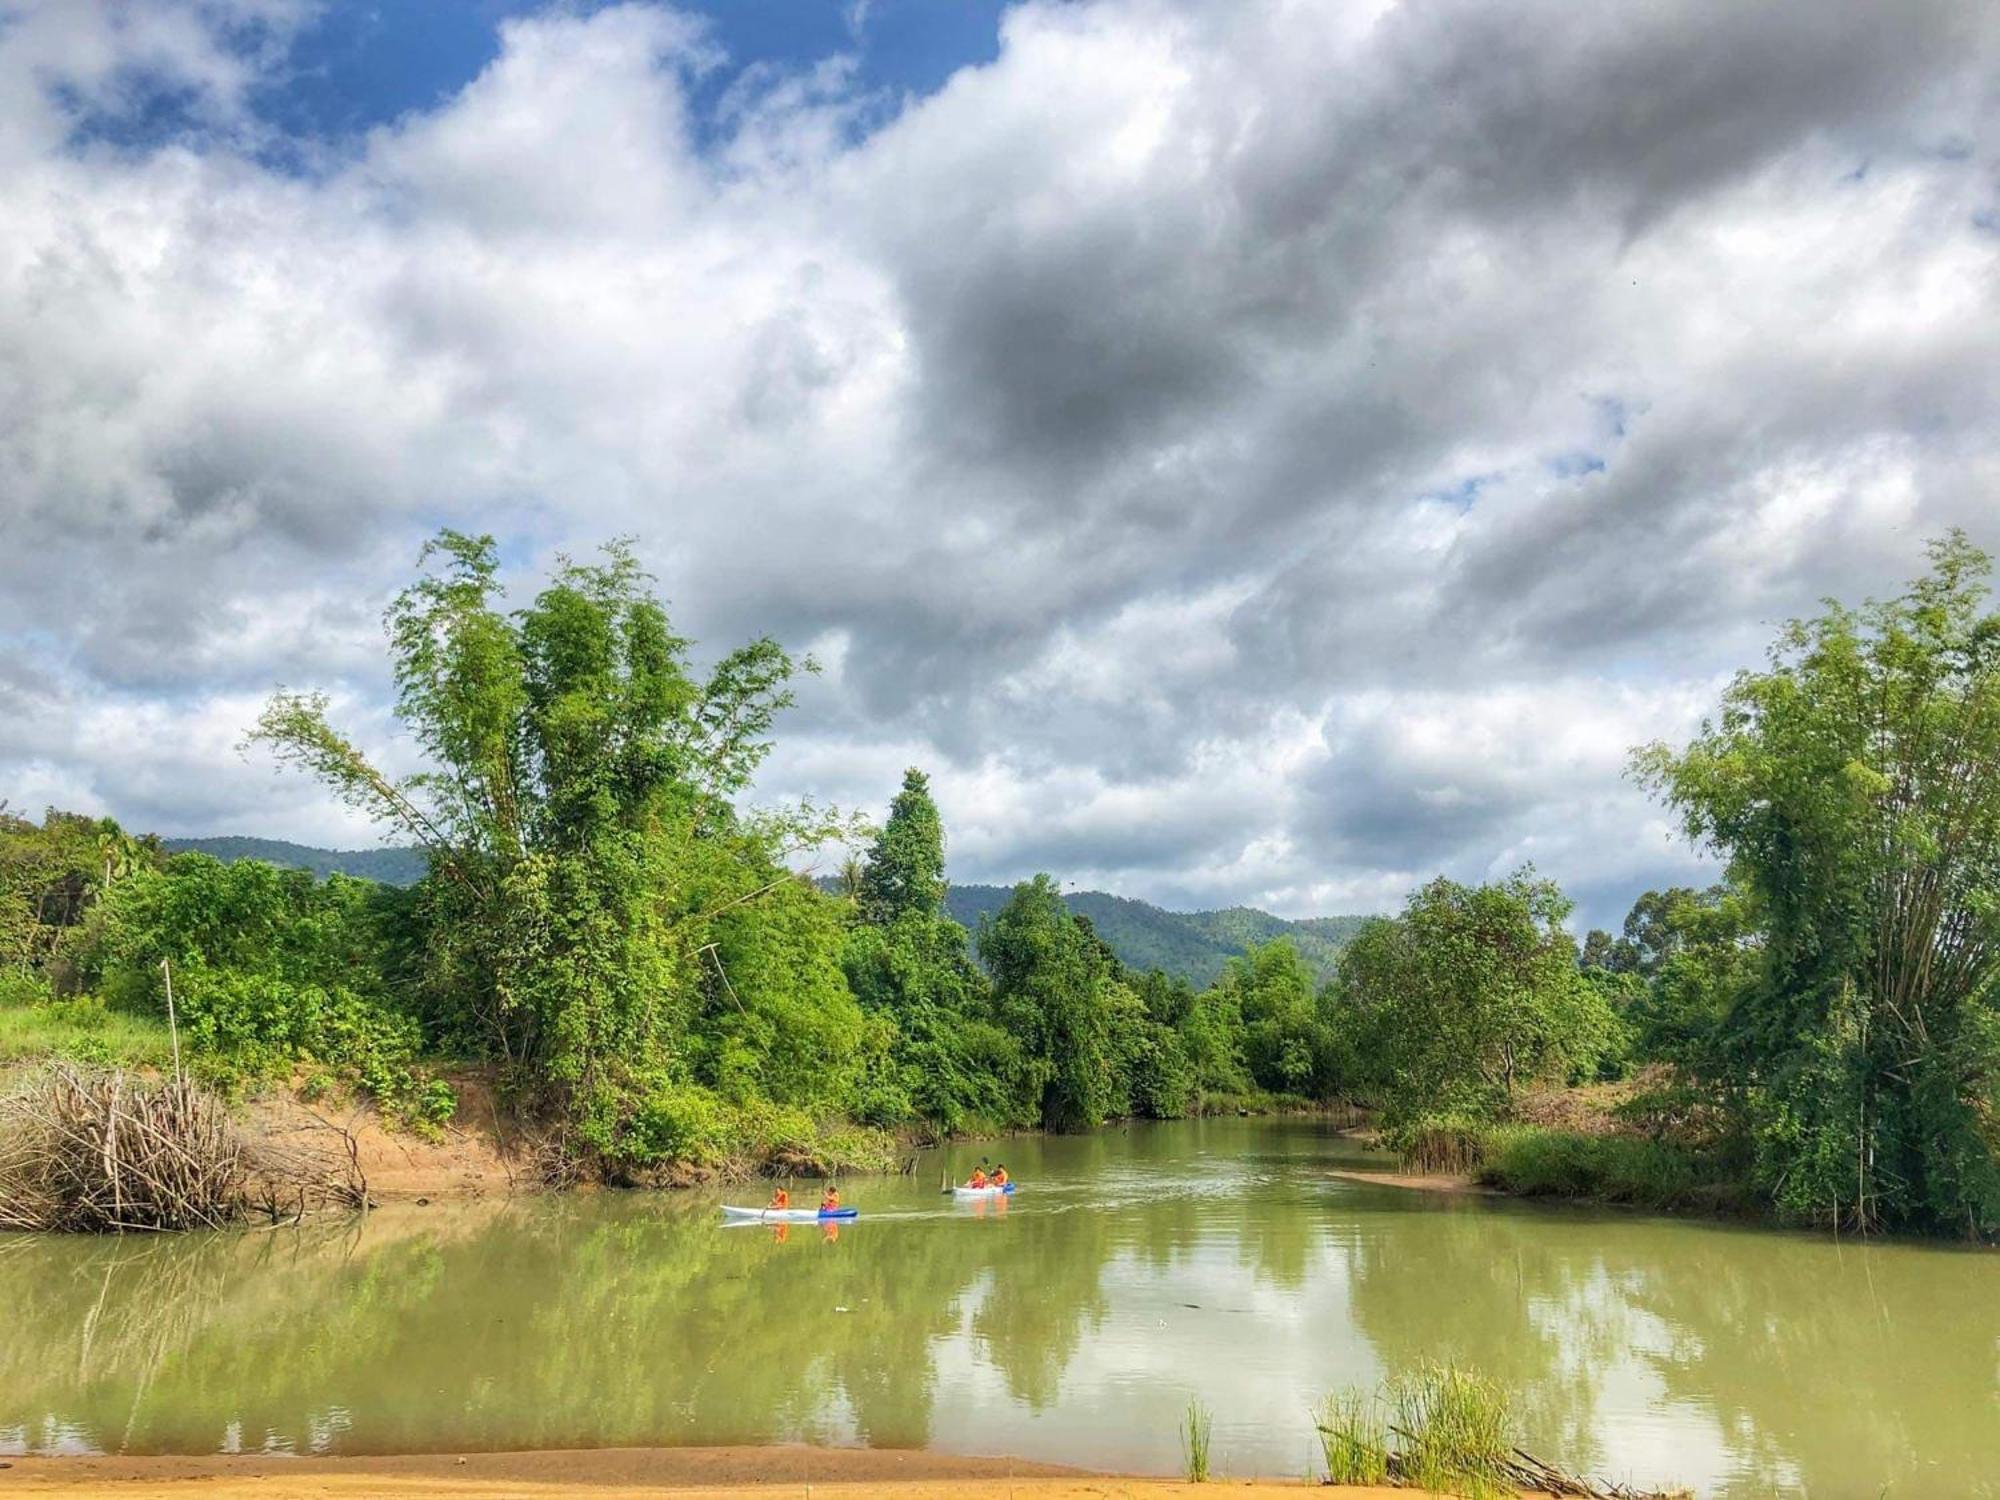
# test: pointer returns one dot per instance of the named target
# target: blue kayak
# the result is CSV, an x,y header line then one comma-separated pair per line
x,y
788,1215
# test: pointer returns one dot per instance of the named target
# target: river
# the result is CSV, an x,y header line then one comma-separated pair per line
x,y
1136,1268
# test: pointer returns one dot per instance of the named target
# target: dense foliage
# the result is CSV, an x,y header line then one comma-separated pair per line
x,y
1854,786
1467,997
640,960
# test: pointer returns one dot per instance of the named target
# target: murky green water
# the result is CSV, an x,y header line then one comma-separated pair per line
x,y
1135,1268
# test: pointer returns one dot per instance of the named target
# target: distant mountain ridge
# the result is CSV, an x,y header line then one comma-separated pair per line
x,y
1195,944
391,866
1192,943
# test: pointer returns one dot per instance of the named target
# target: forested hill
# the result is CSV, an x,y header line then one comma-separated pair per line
x,y
393,866
1193,943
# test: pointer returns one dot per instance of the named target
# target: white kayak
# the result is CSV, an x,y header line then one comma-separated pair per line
x,y
787,1215
962,1191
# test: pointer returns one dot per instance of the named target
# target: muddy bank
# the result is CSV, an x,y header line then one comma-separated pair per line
x,y
481,1151
602,1474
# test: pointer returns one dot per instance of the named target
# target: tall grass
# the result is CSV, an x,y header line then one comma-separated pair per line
x,y
1535,1161
1455,1431
1439,1144
1353,1437
1197,1426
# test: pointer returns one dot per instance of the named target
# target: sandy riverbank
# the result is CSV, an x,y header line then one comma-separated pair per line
x,y
607,1474
1428,1182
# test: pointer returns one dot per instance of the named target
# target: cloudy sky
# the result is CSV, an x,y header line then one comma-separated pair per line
x,y
1263,451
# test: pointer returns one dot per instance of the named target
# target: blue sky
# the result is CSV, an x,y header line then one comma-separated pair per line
x,y
366,62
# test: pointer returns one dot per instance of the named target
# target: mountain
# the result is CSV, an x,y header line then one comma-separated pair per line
x,y
1192,943
391,866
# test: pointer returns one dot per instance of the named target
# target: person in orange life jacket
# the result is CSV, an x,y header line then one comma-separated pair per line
x,y
999,1177
829,1200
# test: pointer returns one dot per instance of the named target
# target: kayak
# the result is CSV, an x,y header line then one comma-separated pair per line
x,y
788,1215
984,1192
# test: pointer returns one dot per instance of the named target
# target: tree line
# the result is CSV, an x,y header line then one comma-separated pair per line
x,y
637,956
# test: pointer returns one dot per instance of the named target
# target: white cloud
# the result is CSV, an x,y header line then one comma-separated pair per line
x,y
1269,460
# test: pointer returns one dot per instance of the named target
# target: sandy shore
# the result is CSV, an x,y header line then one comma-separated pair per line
x,y
607,1474
1428,1182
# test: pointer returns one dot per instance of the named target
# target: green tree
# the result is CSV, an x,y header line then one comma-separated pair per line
x,y
1051,988
590,873
1472,992
1854,786
1283,1042
905,867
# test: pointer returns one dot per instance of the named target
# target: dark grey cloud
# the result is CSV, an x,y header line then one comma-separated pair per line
x,y
1264,452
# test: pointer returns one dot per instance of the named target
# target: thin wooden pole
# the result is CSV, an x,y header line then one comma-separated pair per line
x,y
173,1027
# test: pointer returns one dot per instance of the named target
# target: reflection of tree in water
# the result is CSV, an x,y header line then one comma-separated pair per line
x,y
1038,1297
1886,1353
545,1324
1539,1311
1835,1368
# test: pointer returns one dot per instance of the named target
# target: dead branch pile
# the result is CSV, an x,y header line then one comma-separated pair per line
x,y
90,1151
1526,1472
106,1151
1529,1475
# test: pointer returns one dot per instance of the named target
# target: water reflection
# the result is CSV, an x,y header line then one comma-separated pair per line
x,y
1134,1269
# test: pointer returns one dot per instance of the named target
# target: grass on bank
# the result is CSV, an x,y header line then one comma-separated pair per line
x,y
82,1030
1197,1429
1608,1166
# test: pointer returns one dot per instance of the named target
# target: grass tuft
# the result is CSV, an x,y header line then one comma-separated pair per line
x,y
1353,1437
1455,1431
1197,1426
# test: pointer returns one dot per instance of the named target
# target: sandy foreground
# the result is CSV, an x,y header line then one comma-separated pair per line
x,y
610,1474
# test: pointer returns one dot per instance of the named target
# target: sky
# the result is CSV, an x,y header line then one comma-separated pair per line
x,y
1267,452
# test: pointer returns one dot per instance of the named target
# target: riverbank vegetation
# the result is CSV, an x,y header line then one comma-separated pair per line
x,y
1444,1430
642,963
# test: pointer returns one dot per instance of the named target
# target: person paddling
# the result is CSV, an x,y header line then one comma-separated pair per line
x,y
978,1178
780,1198
999,1177
829,1201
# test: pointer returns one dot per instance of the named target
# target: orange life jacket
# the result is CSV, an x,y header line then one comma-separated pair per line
x,y
978,1178
829,1202
781,1199
1000,1177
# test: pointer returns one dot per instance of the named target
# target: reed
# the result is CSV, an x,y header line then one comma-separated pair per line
x,y
1448,1432
1455,1431
1197,1427
1439,1145
1353,1437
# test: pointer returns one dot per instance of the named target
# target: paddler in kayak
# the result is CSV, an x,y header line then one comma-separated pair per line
x,y
999,1177
978,1179
829,1201
780,1198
